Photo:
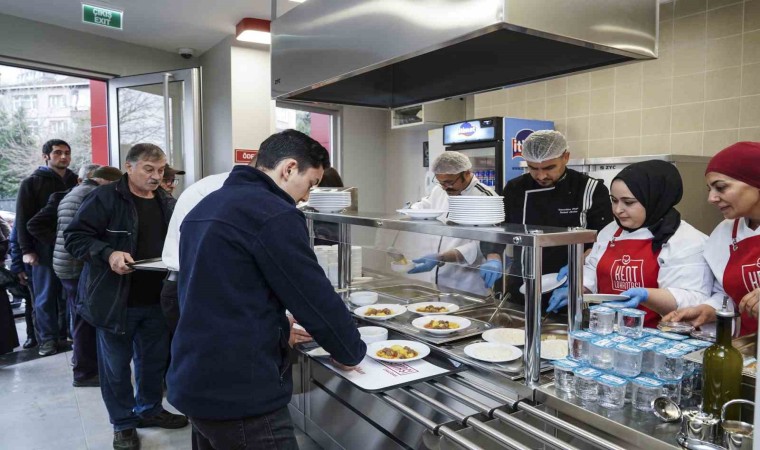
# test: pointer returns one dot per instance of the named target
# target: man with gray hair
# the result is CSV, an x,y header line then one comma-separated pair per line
x,y
551,194
116,225
465,261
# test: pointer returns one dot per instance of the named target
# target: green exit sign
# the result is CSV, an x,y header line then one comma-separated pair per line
x,y
105,17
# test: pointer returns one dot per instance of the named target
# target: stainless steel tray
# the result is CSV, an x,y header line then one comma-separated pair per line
x,y
408,292
513,370
403,324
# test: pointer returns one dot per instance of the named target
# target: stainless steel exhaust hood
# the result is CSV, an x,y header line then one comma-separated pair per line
x,y
391,53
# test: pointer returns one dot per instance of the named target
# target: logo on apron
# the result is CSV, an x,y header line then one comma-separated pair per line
x,y
751,276
627,273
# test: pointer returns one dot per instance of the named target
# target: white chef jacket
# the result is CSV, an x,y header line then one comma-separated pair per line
x,y
683,269
464,276
186,202
717,253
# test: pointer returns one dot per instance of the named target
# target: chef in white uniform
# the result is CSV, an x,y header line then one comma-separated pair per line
x,y
456,263
733,249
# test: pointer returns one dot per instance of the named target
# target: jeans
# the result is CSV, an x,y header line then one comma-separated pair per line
x,y
273,431
146,340
47,292
85,355
170,304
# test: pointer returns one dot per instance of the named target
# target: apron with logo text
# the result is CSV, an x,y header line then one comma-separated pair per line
x,y
742,274
628,264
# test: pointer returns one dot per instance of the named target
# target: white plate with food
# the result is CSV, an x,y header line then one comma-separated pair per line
x,y
422,214
492,352
601,298
552,349
397,351
380,311
509,336
441,324
432,308
549,282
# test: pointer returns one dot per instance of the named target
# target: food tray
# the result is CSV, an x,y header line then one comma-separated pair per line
x,y
403,324
513,370
407,292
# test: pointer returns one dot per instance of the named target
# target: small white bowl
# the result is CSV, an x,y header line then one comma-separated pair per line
x,y
396,267
363,298
373,334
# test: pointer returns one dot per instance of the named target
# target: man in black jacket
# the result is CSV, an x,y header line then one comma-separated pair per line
x,y
116,225
33,195
551,195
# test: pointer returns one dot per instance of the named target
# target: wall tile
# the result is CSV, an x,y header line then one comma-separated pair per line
x,y
499,97
724,52
655,145
577,83
482,101
577,128
499,110
751,79
752,15
578,149
516,109
602,100
722,114
749,134
602,78
690,29
535,91
655,121
629,73
662,67
723,83
627,146
535,109
689,7
665,43
715,141
556,87
578,104
483,112
751,47
689,88
749,114
690,59
601,126
628,124
725,21
686,143
627,96
657,93
556,107
712,4
516,94
561,125
666,11
689,117
601,147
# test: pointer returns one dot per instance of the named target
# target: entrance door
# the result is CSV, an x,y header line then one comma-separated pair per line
x,y
162,109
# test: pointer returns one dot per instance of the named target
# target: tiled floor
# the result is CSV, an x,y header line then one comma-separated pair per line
x,y
39,409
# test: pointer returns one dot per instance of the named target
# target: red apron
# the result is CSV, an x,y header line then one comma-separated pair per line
x,y
742,274
628,264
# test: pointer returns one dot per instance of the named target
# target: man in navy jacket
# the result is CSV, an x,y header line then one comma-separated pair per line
x,y
245,258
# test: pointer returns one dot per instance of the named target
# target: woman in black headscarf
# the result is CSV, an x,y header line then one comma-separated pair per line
x,y
648,253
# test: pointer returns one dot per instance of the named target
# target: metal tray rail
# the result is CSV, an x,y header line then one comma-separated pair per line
x,y
514,370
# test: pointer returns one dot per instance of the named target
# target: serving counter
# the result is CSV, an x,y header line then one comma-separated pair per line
x,y
484,405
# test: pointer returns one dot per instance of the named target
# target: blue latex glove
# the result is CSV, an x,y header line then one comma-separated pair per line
x,y
558,299
638,295
491,271
562,274
426,263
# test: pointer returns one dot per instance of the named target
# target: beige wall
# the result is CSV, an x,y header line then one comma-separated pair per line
x,y
702,94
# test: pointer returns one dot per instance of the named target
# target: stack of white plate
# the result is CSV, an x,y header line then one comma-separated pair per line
x,y
329,201
476,210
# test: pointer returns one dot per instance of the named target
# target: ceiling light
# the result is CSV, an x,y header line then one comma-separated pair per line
x,y
297,1
254,30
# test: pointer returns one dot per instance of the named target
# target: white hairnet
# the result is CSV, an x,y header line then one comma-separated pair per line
x,y
451,163
544,145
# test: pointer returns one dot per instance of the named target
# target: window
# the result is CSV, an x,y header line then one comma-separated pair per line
x,y
320,124
28,102
56,101
58,126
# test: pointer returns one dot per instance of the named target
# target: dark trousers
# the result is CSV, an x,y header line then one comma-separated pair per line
x,y
31,332
273,431
170,304
146,340
47,293
8,335
85,355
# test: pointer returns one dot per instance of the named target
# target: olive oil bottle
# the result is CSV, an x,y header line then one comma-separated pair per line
x,y
721,368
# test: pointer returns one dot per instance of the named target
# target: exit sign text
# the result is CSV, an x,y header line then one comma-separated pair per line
x,y
104,17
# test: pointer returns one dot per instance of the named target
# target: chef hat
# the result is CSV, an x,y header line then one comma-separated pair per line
x,y
544,145
451,163
740,161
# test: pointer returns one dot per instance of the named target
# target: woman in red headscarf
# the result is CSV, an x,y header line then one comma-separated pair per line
x,y
733,249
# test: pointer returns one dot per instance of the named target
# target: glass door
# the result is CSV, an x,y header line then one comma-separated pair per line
x,y
162,109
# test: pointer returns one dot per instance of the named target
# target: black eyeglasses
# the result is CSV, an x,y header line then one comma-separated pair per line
x,y
450,183
170,181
